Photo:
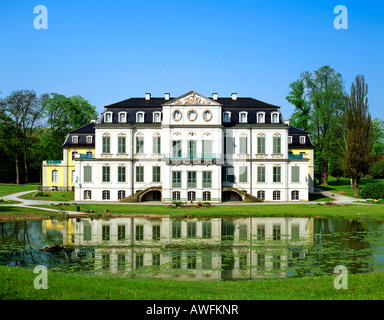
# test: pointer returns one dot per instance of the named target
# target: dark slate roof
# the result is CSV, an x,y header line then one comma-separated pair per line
x,y
82,133
296,133
88,128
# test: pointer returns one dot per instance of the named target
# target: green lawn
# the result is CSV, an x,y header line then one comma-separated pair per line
x,y
17,283
343,185
6,189
21,212
53,196
298,210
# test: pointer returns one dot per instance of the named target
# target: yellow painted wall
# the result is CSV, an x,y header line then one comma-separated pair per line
x,y
60,170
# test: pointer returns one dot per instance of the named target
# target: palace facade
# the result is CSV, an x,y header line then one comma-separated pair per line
x,y
189,148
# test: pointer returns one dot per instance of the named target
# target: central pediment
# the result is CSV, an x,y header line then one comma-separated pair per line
x,y
192,99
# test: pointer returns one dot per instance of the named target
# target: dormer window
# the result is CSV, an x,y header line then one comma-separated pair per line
x,y
108,117
260,117
75,139
227,117
156,117
302,140
122,117
243,117
290,139
275,117
89,139
140,117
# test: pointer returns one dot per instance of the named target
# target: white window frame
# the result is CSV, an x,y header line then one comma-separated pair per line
x,y
302,139
125,117
137,116
289,139
89,139
260,114
274,114
75,139
106,114
156,113
241,114
55,178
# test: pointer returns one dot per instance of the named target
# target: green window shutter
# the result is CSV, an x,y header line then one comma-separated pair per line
x,y
156,174
277,145
261,145
276,174
192,149
176,148
260,174
243,145
295,174
139,144
106,144
207,179
121,174
139,174
121,145
176,179
156,144
207,149
243,176
87,174
106,174
191,179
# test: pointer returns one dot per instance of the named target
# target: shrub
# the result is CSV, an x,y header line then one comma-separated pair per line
x,y
372,191
377,169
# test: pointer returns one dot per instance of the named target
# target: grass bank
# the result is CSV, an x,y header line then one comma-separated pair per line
x,y
49,196
22,213
297,210
18,284
6,189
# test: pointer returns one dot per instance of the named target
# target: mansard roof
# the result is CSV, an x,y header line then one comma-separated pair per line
x,y
296,133
82,133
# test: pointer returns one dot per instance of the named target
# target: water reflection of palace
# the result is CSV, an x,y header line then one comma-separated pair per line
x,y
191,248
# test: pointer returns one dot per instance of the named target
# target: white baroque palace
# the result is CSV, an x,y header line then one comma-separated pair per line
x,y
194,148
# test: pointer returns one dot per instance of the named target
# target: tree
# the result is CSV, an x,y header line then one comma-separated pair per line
x,y
358,157
378,144
301,116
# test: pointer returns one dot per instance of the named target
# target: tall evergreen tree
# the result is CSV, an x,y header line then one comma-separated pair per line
x,y
358,157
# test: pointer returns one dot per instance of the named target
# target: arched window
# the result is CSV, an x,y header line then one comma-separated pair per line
x,y
261,194
120,194
55,176
260,117
108,117
227,116
122,117
176,196
106,195
87,194
295,195
157,117
140,116
276,195
73,176
275,117
191,196
243,117
206,196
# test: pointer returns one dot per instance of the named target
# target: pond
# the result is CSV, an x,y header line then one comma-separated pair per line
x,y
195,249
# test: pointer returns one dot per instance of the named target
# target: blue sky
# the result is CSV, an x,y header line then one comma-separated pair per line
x,y
107,51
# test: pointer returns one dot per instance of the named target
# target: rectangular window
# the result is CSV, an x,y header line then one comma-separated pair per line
x,y
87,231
156,174
121,262
121,174
87,174
121,146
229,143
260,174
206,260
243,145
243,261
139,144
295,174
228,174
106,144
106,233
191,260
176,229
176,260
276,174
207,149
276,262
192,149
176,149
139,232
243,232
276,235
260,261
192,181
295,232
261,145
243,174
260,232
156,233
176,179
139,260
207,179
156,259
276,145
139,174
156,144
105,261
191,229
121,232
207,229
106,174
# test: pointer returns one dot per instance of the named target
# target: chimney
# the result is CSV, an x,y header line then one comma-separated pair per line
x,y
166,96
234,96
147,96
214,96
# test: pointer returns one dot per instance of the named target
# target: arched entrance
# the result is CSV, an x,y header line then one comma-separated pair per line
x,y
151,195
231,196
